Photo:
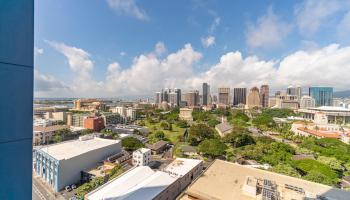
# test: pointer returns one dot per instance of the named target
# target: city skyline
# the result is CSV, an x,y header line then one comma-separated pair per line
x,y
87,63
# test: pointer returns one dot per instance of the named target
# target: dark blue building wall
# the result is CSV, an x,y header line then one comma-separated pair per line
x,y
16,98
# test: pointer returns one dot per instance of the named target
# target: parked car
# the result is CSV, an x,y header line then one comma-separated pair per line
x,y
68,188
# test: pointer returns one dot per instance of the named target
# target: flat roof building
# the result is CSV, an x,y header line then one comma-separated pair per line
x,y
226,181
334,114
61,164
141,183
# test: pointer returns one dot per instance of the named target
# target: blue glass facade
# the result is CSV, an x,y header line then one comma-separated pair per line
x,y
323,95
16,102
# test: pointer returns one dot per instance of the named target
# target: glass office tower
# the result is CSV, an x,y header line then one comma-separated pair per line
x,y
323,95
16,102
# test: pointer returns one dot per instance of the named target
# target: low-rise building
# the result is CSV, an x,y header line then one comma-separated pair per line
x,y
43,134
334,114
223,128
186,114
61,164
59,116
95,123
141,183
127,129
128,113
158,147
321,129
189,150
141,157
226,181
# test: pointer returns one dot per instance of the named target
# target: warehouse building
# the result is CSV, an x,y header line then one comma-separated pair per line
x,y
61,164
142,182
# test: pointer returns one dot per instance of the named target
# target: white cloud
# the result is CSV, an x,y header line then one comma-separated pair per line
x,y
78,59
267,32
123,53
208,41
48,85
38,51
80,63
160,48
128,7
329,65
312,14
216,22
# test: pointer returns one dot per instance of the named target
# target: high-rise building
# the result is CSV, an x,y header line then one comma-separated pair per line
x,y
206,94
192,98
158,98
264,96
253,99
291,90
223,96
307,102
178,93
173,101
298,92
295,91
239,96
323,95
16,72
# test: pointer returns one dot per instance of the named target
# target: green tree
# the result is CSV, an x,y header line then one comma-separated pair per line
x,y
115,172
213,122
212,148
182,124
159,135
57,138
131,144
164,125
332,162
318,177
286,169
200,132
239,139
317,172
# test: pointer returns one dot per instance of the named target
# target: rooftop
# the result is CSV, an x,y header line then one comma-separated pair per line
x,y
331,108
136,184
187,148
224,181
223,127
181,166
142,150
157,145
322,134
73,148
46,129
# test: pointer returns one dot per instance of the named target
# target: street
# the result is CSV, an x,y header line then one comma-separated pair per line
x,y
39,192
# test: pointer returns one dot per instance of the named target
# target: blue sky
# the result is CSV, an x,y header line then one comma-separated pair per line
x,y
109,48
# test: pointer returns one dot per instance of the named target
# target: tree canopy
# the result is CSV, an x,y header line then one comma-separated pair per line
x,y
198,133
131,144
212,147
239,139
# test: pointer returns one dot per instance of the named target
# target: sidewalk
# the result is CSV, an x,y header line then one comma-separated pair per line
x,y
44,190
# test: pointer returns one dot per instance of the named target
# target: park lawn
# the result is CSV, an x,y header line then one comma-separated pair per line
x,y
173,135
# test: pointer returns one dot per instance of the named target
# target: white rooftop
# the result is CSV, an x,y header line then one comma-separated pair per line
x,y
136,184
70,149
181,166
331,108
142,150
